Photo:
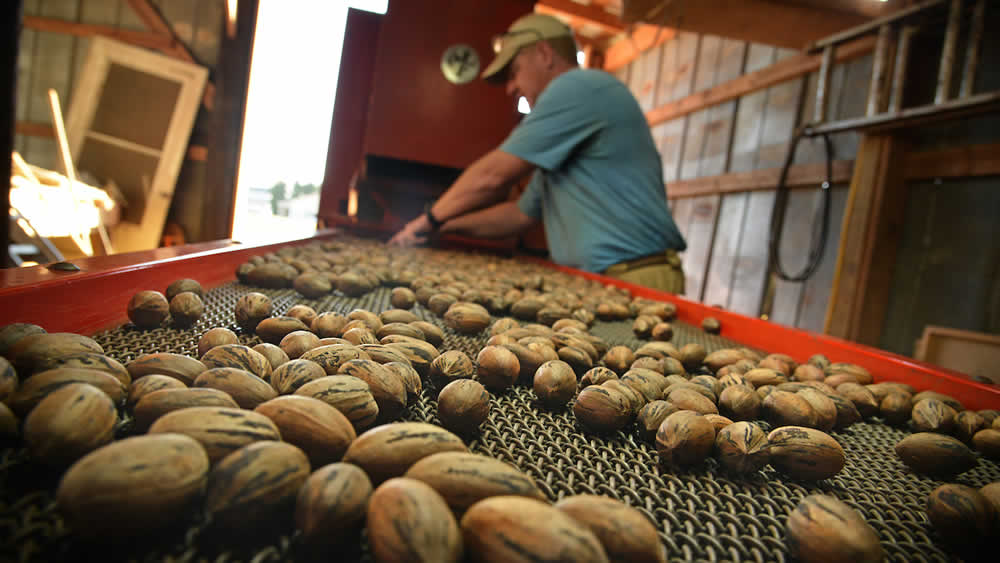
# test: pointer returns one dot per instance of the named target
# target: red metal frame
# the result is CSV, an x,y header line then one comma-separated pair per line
x,y
96,298
800,344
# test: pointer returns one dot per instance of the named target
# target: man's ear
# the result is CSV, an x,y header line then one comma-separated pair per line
x,y
546,54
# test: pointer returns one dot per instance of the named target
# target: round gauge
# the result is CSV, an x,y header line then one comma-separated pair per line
x,y
460,64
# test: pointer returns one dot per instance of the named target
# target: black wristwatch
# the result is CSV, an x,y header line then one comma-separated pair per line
x,y
435,224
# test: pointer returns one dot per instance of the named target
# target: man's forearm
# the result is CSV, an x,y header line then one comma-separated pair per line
x,y
482,184
500,221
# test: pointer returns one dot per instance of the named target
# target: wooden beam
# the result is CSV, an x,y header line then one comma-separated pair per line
x,y
197,153
952,162
34,129
782,71
140,38
869,237
577,14
152,18
799,176
628,48
176,48
784,24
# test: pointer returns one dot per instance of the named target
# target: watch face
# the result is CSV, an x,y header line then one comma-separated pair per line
x,y
460,64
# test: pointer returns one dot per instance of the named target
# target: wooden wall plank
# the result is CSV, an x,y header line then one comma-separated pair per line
x,y
718,134
668,138
25,66
52,67
759,57
642,80
778,73
718,282
180,14
750,112
719,129
687,53
747,131
751,261
794,252
732,57
32,7
780,118
681,210
208,33
694,142
97,12
816,291
699,239
128,19
708,62
667,75
942,279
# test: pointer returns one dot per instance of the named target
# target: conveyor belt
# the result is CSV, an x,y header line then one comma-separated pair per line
x,y
703,513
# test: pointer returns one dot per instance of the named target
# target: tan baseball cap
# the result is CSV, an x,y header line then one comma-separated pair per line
x,y
525,31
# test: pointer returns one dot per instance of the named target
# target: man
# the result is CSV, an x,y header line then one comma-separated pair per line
x,y
597,177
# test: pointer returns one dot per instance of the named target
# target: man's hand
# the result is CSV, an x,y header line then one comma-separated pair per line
x,y
415,232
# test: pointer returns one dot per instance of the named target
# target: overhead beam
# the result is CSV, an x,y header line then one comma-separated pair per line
x,y
783,24
642,38
781,71
154,21
578,14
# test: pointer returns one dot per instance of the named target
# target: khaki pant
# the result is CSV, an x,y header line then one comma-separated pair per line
x,y
657,272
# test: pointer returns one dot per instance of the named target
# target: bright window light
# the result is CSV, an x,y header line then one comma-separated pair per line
x,y
376,6
522,105
581,58
286,127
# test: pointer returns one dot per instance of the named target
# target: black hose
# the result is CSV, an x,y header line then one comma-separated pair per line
x,y
818,243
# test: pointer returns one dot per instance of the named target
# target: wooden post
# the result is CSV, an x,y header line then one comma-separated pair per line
x,y
899,72
823,84
869,236
972,51
947,66
10,31
880,70
222,160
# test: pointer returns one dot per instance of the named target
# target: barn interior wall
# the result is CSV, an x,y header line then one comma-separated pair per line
x,y
53,60
726,260
954,253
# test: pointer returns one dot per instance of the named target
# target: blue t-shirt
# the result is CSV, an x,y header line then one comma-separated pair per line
x,y
599,185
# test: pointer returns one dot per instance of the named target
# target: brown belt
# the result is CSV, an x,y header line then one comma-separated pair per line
x,y
668,257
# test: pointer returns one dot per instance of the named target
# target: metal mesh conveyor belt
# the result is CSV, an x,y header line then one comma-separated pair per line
x,y
703,514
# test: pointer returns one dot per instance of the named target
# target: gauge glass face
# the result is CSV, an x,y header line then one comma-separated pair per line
x,y
460,64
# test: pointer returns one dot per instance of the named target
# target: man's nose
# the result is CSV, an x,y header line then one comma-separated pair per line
x,y
511,88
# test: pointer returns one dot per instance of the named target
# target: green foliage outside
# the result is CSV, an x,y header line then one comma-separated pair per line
x,y
279,192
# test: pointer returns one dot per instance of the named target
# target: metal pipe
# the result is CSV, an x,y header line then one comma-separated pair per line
x,y
899,69
947,65
866,28
823,85
972,52
880,64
